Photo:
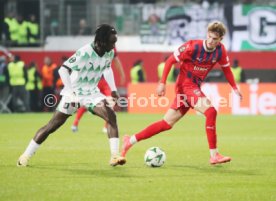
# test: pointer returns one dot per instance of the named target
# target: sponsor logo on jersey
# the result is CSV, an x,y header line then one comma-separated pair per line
x,y
199,59
72,60
182,49
200,68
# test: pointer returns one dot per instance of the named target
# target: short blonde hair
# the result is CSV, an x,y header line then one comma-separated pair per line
x,y
217,27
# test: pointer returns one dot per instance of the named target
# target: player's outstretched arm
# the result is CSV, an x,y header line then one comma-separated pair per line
x,y
109,77
68,91
120,69
161,89
230,78
65,78
168,65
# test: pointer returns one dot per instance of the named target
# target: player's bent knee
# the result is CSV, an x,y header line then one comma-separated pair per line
x,y
166,125
211,112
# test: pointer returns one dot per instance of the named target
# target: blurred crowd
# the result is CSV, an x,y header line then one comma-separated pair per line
x,y
24,86
18,31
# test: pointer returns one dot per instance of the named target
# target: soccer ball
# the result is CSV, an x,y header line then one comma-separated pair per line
x,y
155,157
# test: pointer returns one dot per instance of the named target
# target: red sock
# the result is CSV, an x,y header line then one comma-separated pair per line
x,y
211,115
152,130
79,114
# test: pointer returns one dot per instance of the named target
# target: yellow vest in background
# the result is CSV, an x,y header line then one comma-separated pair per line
x,y
236,73
16,73
34,30
160,70
22,34
134,73
13,28
31,80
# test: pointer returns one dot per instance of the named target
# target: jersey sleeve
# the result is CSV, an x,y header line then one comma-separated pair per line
x,y
168,65
224,61
111,56
182,52
77,61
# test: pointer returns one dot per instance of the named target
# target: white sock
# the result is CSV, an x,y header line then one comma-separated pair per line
x,y
133,139
31,148
213,152
114,146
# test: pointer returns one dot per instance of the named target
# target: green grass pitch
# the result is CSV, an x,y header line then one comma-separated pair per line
x,y
75,166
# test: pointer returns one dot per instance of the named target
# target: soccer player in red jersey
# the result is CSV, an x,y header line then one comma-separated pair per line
x,y
104,89
197,58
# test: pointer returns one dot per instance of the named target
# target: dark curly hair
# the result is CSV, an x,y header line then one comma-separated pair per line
x,y
103,33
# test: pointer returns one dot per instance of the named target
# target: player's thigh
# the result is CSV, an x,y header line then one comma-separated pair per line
x,y
172,116
197,99
103,110
100,110
202,104
97,104
91,101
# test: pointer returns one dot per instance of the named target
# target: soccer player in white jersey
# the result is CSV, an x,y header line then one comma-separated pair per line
x,y
80,75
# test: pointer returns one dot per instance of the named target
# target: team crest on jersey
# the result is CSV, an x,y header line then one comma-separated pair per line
x,y
182,49
199,59
197,92
78,53
107,63
72,60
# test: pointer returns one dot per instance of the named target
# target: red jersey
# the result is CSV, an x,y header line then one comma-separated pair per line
x,y
197,61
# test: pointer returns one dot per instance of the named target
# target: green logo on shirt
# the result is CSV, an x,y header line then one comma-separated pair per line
x,y
72,60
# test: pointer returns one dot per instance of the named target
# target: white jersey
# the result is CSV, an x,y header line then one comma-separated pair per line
x,y
87,69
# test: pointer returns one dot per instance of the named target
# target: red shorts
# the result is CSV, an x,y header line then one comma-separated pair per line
x,y
104,87
186,97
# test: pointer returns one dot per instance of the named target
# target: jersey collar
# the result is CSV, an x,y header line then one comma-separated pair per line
x,y
93,45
